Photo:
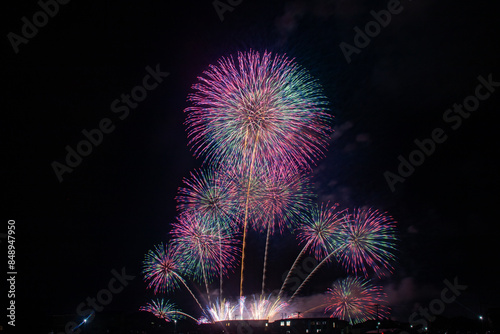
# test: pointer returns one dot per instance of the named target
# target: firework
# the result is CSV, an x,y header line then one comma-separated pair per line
x,y
247,186
261,307
203,320
273,197
369,243
266,307
247,193
161,269
356,300
209,193
285,197
264,108
241,304
204,246
260,121
222,310
164,310
321,230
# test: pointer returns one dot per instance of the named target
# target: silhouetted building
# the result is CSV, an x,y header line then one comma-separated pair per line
x,y
235,327
283,326
310,326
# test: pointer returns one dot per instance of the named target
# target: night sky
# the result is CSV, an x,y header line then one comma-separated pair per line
x,y
120,199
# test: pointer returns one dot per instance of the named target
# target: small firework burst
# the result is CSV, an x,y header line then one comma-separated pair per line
x,y
321,229
163,309
369,242
285,197
246,188
356,300
273,197
161,268
205,247
209,194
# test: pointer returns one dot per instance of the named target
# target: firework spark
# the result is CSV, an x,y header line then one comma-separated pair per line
x,y
261,307
222,310
356,300
266,307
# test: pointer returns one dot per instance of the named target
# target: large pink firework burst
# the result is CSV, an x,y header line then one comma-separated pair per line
x,y
356,300
262,108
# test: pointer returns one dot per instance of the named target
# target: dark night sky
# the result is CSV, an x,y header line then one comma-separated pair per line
x,y
120,200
